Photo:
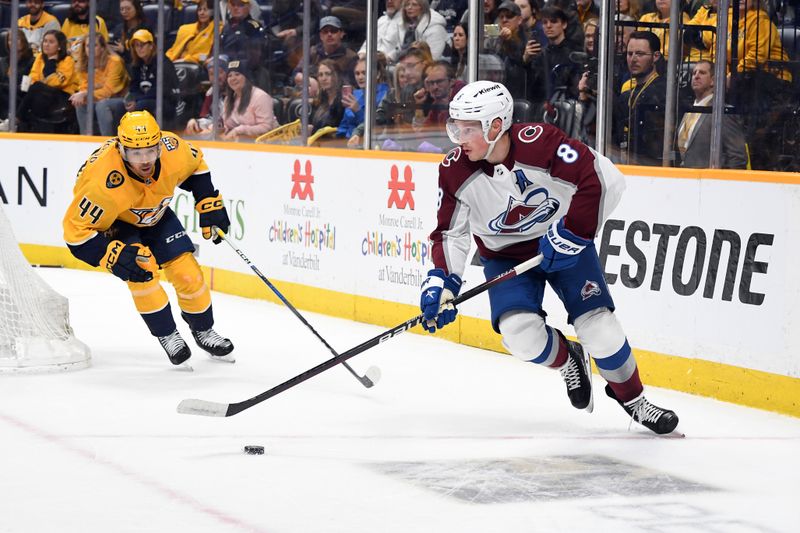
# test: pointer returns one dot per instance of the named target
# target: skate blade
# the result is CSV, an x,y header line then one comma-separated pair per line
x,y
222,358
184,367
588,362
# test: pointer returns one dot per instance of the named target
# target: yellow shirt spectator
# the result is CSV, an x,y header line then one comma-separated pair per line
x,y
192,44
64,78
34,31
75,31
110,80
759,41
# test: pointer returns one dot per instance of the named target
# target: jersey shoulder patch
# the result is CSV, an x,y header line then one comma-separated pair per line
x,y
114,179
170,142
451,156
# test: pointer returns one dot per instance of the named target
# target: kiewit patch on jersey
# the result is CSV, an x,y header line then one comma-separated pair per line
x,y
170,143
114,179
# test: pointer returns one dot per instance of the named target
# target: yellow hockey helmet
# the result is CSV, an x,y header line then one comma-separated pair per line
x,y
138,129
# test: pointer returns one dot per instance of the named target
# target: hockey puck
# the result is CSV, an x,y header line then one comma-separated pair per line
x,y
254,450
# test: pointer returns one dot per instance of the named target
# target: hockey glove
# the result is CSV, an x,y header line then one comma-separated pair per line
x,y
213,213
129,262
438,290
560,248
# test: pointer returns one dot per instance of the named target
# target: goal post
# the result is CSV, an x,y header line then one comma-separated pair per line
x,y
35,333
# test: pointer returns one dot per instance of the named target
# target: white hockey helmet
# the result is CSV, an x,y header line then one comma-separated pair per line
x,y
483,101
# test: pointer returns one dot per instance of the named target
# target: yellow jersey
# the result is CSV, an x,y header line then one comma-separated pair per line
x,y
107,190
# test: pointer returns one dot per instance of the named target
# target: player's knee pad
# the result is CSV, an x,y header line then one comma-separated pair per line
x,y
185,275
524,334
600,332
149,296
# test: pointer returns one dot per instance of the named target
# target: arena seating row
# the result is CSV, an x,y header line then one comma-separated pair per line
x,y
173,18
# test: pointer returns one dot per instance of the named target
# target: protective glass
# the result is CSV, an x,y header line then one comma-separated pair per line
x,y
463,132
141,155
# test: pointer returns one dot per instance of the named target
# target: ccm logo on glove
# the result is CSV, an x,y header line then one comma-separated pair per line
x,y
213,213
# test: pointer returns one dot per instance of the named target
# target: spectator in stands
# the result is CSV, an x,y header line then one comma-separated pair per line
x,y
76,24
425,48
660,16
329,109
110,85
590,37
53,79
195,40
24,63
285,35
510,47
387,28
489,12
201,125
296,90
419,23
239,30
398,107
143,74
632,8
639,111
450,10
132,15
259,75
36,23
352,125
586,10
458,52
551,68
433,99
249,111
531,21
574,29
694,131
331,47
252,7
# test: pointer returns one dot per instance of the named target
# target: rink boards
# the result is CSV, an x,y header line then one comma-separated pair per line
x,y
700,263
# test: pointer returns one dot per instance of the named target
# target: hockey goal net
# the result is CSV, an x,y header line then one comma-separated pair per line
x,y
35,335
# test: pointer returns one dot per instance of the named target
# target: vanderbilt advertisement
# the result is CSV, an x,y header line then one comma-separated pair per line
x,y
696,267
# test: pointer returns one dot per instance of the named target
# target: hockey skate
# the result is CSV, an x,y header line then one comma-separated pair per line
x,y
577,375
654,418
217,346
176,348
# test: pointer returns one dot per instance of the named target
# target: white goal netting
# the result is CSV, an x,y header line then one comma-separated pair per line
x,y
35,335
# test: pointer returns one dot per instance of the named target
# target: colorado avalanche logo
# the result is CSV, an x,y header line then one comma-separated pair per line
x,y
521,215
530,134
451,156
590,288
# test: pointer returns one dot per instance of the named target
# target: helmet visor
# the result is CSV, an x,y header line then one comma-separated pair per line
x,y
463,131
141,155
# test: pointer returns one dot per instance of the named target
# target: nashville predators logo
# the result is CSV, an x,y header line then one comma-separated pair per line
x,y
147,216
115,179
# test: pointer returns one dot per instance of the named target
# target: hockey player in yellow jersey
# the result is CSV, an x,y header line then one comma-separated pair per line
x,y
120,219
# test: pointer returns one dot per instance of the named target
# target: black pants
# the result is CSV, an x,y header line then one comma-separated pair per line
x,y
45,109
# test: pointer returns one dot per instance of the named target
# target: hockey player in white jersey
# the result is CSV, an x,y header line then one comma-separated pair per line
x,y
521,190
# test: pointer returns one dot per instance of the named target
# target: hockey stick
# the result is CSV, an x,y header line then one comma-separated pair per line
x,y
206,408
373,373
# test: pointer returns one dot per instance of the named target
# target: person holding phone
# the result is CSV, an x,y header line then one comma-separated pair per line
x,y
352,125
510,46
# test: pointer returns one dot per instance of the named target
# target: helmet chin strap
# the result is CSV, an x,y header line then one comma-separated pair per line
x,y
491,143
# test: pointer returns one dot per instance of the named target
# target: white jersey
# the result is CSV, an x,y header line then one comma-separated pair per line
x,y
506,207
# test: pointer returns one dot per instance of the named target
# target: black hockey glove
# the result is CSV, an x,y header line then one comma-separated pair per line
x,y
129,262
213,213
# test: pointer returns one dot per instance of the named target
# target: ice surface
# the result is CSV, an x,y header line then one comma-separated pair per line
x,y
451,439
